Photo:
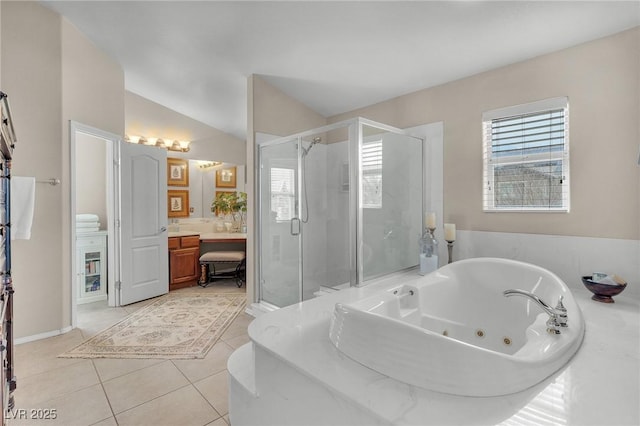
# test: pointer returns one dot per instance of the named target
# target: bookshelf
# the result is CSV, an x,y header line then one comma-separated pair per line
x,y
91,252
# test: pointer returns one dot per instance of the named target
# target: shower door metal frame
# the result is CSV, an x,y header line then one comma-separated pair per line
x,y
355,140
259,210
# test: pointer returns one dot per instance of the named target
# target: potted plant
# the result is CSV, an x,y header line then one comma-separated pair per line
x,y
231,205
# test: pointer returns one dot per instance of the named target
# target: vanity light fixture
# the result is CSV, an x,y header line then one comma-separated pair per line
x,y
209,164
180,146
171,145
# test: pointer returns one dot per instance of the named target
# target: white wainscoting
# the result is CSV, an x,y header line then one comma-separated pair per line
x,y
568,257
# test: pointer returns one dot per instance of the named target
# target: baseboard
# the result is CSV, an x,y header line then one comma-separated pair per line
x,y
52,333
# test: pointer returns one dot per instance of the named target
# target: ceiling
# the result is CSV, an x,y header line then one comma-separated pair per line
x,y
194,57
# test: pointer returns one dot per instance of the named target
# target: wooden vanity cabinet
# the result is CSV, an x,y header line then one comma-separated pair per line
x,y
184,261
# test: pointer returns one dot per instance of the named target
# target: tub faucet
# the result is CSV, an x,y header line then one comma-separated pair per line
x,y
557,316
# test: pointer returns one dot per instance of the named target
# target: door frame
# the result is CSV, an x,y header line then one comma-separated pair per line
x,y
112,141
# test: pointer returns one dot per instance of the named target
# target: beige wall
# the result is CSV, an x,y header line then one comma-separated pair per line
x,y
146,118
31,76
53,75
602,81
91,173
92,94
276,113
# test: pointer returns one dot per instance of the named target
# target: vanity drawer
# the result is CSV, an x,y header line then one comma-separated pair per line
x,y
174,243
89,241
190,241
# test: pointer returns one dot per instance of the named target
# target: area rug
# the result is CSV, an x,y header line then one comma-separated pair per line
x,y
176,326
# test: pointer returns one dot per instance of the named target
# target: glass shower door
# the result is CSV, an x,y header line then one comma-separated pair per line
x,y
280,230
391,201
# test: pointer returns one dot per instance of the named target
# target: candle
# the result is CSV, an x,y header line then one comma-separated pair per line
x,y
449,231
430,219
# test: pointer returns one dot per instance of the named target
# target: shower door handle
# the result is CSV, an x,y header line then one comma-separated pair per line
x,y
295,226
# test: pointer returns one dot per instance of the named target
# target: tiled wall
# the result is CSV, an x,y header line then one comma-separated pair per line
x,y
568,257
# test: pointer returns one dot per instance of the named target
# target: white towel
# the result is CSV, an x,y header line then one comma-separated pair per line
x,y
87,217
80,225
87,230
23,201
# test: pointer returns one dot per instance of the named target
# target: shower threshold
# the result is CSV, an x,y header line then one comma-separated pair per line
x,y
324,290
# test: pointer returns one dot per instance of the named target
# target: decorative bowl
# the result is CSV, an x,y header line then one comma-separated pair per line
x,y
602,292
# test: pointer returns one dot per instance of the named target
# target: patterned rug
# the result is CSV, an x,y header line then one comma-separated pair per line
x,y
176,326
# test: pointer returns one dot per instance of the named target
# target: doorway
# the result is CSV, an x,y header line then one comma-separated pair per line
x,y
122,193
93,236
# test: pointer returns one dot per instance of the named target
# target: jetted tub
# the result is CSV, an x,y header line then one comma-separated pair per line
x,y
454,331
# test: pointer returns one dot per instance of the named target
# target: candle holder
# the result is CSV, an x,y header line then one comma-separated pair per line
x,y
450,249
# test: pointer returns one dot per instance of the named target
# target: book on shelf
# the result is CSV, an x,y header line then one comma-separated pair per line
x,y
92,267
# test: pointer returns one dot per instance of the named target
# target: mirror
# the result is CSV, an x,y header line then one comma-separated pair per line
x,y
210,178
203,179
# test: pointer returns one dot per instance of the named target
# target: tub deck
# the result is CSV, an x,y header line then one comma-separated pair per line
x,y
292,374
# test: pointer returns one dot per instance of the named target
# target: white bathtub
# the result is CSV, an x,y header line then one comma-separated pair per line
x,y
454,331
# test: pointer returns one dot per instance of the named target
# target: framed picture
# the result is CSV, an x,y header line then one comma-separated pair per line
x,y
226,178
178,203
177,172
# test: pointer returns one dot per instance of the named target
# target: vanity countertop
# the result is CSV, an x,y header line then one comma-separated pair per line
x,y
210,236
182,233
227,236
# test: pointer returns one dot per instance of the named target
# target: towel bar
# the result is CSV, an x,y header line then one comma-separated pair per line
x,y
52,181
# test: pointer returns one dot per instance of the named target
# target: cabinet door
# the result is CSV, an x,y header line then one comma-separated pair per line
x,y
184,266
92,283
92,271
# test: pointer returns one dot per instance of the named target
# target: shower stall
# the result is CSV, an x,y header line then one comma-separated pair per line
x,y
338,205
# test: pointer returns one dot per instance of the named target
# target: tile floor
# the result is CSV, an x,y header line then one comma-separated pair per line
x,y
123,391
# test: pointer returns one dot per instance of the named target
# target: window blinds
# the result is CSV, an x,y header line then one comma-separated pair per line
x,y
526,162
372,175
283,193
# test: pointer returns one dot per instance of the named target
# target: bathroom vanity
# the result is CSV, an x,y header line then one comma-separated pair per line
x,y
291,373
184,254
184,268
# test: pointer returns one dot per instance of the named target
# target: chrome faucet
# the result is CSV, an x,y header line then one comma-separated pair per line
x,y
557,316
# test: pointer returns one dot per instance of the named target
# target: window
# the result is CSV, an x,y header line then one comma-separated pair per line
x,y
372,175
283,193
526,157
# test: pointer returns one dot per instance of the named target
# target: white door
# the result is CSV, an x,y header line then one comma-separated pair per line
x,y
144,269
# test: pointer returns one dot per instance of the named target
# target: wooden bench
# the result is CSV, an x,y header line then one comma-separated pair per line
x,y
220,265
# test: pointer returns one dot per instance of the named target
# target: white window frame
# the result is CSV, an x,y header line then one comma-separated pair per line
x,y
288,197
490,161
372,166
